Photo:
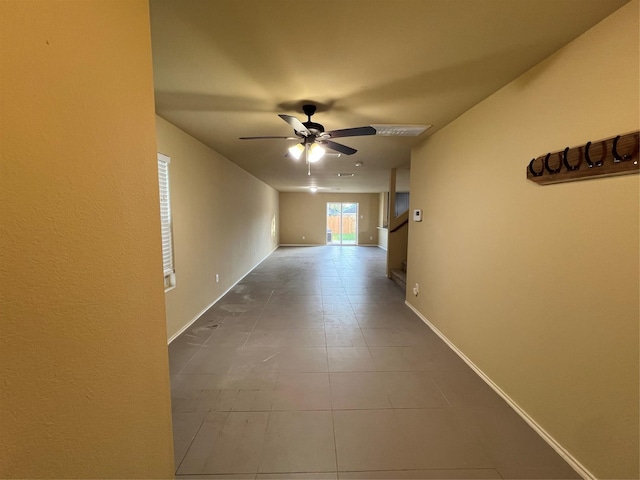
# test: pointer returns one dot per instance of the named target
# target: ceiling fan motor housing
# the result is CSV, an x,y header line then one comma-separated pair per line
x,y
314,128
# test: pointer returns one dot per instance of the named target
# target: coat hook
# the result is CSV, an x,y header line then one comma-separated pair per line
x,y
533,172
616,156
549,169
570,168
588,159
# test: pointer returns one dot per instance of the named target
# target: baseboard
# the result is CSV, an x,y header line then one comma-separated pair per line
x,y
380,246
325,245
570,459
302,244
179,332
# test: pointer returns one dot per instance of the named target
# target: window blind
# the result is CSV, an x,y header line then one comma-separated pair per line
x,y
165,214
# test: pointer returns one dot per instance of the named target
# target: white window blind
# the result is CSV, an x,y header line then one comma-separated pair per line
x,y
165,214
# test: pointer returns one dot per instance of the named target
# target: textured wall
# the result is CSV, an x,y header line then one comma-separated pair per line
x,y
305,214
84,384
225,222
538,285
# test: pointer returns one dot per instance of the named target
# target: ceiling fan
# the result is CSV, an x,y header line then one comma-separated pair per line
x,y
313,137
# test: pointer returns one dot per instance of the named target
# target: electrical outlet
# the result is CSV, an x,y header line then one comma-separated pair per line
x,y
303,237
217,278
370,237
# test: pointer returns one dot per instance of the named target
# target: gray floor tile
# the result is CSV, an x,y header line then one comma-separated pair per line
x,y
232,476
344,337
337,299
312,367
350,359
439,440
302,391
291,320
511,444
332,322
463,388
286,337
283,299
449,474
227,443
195,392
228,337
182,350
214,359
371,440
392,337
253,360
337,309
412,390
292,309
185,428
385,320
401,359
357,390
538,473
290,447
246,392
296,359
243,323
298,476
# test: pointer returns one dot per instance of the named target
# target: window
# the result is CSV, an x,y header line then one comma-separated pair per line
x,y
165,222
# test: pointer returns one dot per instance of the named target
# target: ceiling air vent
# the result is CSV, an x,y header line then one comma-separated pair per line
x,y
400,130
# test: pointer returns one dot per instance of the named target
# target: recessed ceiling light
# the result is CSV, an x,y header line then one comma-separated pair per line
x,y
346,174
400,130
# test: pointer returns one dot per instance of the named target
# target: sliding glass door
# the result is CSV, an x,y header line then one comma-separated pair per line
x,y
342,223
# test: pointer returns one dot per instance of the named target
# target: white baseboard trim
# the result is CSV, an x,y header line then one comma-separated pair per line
x,y
191,322
325,245
570,459
302,244
381,247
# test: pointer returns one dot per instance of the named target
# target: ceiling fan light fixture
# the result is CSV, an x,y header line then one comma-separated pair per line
x,y
400,130
296,151
316,152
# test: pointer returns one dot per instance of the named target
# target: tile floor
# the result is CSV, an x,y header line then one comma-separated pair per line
x,y
312,367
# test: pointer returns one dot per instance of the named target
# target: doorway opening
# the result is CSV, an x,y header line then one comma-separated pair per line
x,y
342,223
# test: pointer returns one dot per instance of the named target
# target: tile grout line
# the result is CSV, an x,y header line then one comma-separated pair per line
x,y
244,345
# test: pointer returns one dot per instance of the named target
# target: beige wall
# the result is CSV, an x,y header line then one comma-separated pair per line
x,y
305,214
538,285
225,222
84,382
383,238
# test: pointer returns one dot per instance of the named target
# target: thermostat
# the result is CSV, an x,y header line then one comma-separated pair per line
x,y
417,215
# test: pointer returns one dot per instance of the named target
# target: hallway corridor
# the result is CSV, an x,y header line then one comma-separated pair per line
x,y
312,367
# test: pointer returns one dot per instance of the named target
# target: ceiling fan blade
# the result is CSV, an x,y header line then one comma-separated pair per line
x,y
352,132
338,147
296,124
262,138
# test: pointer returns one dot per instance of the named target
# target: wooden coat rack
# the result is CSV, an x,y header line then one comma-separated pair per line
x,y
605,158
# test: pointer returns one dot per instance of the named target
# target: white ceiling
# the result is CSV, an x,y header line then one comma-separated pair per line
x,y
224,69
